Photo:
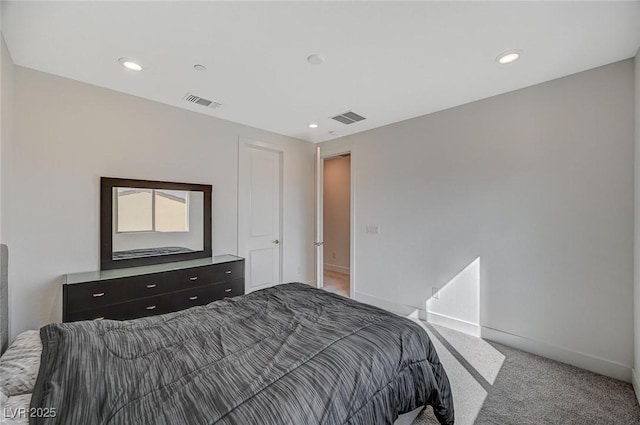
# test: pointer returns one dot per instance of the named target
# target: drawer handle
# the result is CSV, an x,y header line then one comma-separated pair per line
x,y
151,307
99,294
195,297
227,290
153,285
228,272
193,278
99,318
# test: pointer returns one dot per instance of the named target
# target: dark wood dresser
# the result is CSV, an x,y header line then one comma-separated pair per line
x,y
130,293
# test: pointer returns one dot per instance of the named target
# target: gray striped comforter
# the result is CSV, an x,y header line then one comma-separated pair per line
x,y
290,354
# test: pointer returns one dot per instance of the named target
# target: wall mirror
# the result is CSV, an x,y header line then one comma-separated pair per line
x,y
146,222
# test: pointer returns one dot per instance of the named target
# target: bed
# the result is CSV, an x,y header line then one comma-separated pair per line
x,y
291,354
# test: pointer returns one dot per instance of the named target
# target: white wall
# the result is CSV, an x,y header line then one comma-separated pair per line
x,y
6,122
337,213
68,134
636,255
456,302
6,125
537,184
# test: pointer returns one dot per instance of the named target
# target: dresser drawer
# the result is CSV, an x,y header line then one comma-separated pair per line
x,y
229,271
232,288
186,299
92,314
95,294
124,311
204,295
177,280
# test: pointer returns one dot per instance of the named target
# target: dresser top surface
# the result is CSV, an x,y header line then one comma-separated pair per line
x,y
73,278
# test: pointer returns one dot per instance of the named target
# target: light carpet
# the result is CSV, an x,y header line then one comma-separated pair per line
x,y
495,384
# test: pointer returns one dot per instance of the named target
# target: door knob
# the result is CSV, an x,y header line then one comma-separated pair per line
x,y
275,242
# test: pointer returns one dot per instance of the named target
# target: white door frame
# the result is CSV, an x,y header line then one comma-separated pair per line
x,y
319,236
322,153
242,248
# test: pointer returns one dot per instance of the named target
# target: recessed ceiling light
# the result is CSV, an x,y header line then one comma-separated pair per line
x,y
199,67
129,64
315,59
313,125
508,57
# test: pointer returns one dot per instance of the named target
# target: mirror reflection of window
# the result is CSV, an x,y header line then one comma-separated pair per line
x,y
151,210
135,210
171,210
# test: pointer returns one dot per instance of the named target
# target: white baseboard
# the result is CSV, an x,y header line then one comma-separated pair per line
x,y
400,309
550,351
561,354
454,323
636,383
435,318
336,268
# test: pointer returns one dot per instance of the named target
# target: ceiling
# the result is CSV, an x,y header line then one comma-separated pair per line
x,y
387,61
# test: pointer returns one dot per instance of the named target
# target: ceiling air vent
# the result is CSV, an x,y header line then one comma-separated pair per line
x,y
192,98
348,118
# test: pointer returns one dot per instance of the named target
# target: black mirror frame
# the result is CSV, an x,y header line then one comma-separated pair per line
x,y
106,223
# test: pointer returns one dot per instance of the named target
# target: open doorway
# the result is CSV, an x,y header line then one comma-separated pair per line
x,y
336,229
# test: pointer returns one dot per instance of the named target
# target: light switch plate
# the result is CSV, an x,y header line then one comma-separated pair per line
x,y
373,230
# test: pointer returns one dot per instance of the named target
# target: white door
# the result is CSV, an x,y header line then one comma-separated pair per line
x,y
259,213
